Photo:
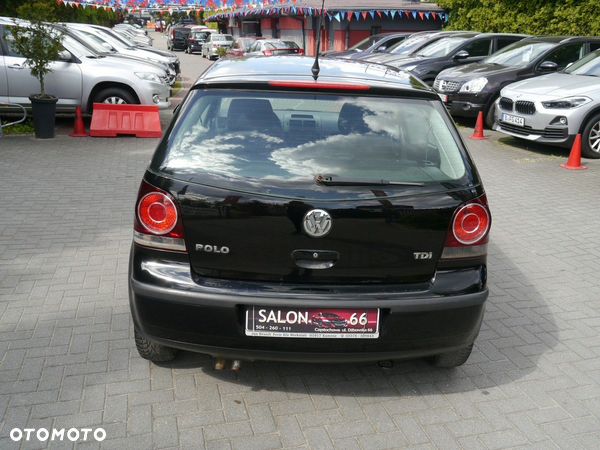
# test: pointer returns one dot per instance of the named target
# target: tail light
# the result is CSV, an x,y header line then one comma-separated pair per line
x,y
267,52
468,235
157,222
301,52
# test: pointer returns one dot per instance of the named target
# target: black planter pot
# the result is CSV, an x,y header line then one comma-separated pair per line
x,y
43,110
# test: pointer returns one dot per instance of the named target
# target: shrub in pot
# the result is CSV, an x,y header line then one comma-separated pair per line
x,y
40,45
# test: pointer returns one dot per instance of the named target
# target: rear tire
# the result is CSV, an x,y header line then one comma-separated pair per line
x,y
152,351
115,96
451,359
590,138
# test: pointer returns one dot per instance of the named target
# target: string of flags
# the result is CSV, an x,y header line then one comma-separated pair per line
x,y
224,9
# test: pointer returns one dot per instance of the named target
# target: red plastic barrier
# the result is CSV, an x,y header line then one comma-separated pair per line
x,y
109,120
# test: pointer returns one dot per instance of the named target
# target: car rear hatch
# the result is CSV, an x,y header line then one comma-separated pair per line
x,y
305,188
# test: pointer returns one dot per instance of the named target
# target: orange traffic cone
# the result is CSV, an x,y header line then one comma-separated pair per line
x,y
478,132
574,162
78,128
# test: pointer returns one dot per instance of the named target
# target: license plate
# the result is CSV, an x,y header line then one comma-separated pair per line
x,y
444,97
520,121
321,323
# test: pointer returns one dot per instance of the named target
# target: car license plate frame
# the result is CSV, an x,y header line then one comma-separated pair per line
x,y
515,120
276,322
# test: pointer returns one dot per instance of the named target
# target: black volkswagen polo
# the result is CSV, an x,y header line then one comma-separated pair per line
x,y
274,199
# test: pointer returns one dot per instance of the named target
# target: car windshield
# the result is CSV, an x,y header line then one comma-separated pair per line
x,y
76,47
366,43
91,40
519,54
297,136
443,47
201,35
589,65
408,45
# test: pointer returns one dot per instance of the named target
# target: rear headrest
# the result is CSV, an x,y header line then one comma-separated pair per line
x,y
252,114
351,119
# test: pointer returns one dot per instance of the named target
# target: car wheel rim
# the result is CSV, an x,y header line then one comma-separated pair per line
x,y
115,101
594,138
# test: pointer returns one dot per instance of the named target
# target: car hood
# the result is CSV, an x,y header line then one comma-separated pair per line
x,y
475,70
557,85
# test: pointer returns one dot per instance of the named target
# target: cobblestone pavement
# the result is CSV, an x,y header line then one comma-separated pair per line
x,y
67,355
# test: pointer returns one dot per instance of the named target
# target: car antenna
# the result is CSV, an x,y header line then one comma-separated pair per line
x,y
315,68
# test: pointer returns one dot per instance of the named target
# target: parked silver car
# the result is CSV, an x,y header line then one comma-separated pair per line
x,y
213,42
554,108
102,36
81,77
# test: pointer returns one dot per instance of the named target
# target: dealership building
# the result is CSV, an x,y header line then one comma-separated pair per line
x,y
343,24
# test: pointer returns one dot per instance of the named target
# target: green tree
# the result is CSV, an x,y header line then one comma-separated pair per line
x,y
566,17
37,42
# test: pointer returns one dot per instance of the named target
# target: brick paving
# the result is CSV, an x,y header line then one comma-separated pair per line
x,y
68,360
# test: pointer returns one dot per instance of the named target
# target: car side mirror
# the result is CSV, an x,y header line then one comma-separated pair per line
x,y
381,49
65,55
548,67
463,54
107,46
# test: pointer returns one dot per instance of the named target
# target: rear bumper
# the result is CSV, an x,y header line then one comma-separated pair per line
x,y
172,307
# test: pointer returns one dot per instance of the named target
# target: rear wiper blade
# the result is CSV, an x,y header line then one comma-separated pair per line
x,y
332,180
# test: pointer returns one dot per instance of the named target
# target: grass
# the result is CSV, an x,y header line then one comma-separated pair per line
x,y
178,86
19,128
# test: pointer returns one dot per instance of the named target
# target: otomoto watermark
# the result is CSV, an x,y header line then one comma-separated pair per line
x,y
72,434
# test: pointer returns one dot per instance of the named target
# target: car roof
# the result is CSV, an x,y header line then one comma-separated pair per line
x,y
298,69
559,39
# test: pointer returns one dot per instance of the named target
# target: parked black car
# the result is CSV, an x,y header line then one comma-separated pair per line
x,y
373,44
451,51
195,41
177,39
274,200
475,87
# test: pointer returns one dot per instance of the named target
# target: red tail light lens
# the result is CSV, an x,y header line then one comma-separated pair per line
x,y
157,213
157,221
267,52
469,232
470,224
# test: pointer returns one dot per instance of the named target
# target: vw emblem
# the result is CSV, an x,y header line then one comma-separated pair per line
x,y
317,223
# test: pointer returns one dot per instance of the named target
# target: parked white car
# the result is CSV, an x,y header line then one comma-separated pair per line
x,y
213,42
552,109
81,77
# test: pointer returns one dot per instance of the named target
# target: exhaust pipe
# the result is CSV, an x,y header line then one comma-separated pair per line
x,y
386,364
236,365
220,364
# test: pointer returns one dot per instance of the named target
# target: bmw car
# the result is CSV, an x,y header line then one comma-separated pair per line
x,y
283,195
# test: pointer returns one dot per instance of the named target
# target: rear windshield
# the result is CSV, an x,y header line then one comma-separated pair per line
x,y
296,136
220,37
